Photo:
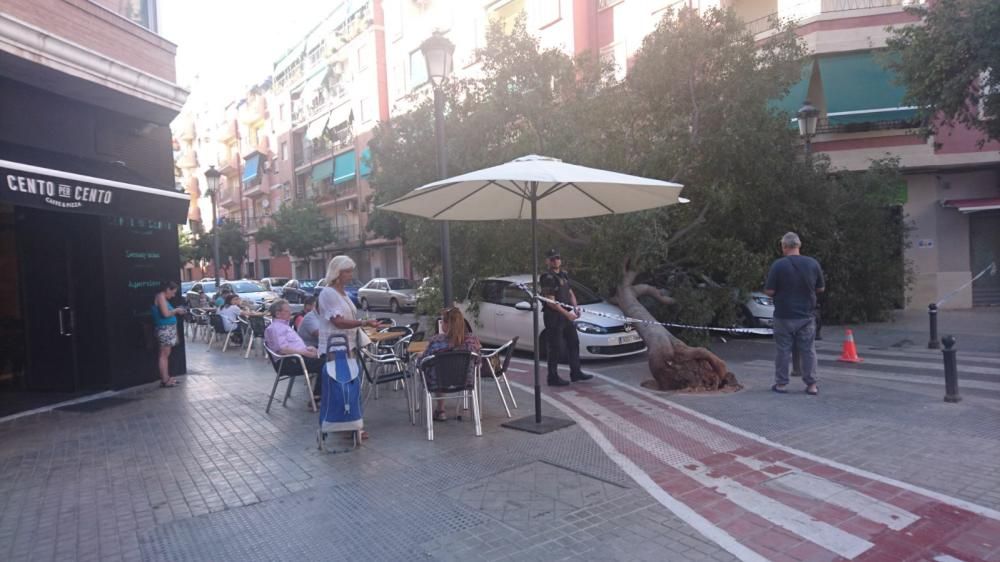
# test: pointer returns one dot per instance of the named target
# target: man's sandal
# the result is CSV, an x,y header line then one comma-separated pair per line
x,y
779,389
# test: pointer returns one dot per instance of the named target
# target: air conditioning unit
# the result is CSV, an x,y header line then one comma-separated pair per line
x,y
352,206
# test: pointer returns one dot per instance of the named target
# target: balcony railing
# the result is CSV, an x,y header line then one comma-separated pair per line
x,y
253,224
844,5
346,234
768,22
824,126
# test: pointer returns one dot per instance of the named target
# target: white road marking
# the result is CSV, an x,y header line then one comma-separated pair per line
x,y
946,558
697,522
948,500
891,377
831,492
925,365
697,431
823,534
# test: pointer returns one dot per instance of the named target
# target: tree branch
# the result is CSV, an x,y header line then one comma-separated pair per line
x,y
643,290
563,235
698,221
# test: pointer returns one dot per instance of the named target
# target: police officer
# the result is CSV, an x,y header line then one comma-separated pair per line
x,y
559,328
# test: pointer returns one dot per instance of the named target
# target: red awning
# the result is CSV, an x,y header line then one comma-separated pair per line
x,y
973,205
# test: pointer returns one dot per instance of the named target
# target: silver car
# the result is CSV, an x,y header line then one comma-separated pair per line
x,y
251,292
393,293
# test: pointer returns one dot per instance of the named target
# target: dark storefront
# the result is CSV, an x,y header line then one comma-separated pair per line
x,y
84,243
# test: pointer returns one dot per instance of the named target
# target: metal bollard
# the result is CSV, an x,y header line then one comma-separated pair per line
x,y
932,311
950,370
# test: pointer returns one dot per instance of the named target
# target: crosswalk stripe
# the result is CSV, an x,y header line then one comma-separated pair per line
x,y
847,498
925,365
683,511
703,434
823,534
889,376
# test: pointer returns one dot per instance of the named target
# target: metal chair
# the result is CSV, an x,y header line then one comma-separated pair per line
x,y
288,367
255,330
450,375
496,362
218,330
381,369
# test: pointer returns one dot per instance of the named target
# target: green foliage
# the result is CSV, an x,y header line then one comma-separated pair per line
x,y
232,243
693,109
299,228
943,61
187,242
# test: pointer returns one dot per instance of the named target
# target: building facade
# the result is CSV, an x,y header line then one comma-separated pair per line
x,y
88,208
952,192
362,65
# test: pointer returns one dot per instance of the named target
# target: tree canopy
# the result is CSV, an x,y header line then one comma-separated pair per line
x,y
950,63
299,228
694,109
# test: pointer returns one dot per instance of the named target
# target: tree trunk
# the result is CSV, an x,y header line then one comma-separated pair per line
x,y
673,364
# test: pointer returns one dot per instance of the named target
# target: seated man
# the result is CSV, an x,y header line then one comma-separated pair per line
x,y
308,327
282,339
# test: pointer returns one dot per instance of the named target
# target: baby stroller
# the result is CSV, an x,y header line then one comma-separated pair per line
x,y
340,406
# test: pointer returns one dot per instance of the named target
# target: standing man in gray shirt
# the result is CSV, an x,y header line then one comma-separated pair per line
x,y
794,281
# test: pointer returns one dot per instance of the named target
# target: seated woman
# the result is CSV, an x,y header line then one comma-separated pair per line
x,y
281,338
454,336
230,312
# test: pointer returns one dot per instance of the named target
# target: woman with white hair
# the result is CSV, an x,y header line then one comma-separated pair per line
x,y
337,313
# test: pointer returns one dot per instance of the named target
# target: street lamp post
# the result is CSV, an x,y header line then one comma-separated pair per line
x,y
212,179
438,51
808,116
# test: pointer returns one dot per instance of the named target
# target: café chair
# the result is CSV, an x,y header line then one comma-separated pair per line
x,y
288,367
495,363
450,375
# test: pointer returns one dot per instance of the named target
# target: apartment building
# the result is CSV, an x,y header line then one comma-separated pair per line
x,y
952,191
89,210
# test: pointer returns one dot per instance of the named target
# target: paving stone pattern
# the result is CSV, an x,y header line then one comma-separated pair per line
x,y
200,472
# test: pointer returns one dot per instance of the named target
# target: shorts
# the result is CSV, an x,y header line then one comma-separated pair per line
x,y
167,335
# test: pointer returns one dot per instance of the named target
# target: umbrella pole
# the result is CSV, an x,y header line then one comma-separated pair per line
x,y
535,302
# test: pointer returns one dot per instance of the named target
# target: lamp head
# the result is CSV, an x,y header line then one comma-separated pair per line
x,y
808,116
438,53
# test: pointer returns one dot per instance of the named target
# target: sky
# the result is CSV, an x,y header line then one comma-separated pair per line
x,y
224,46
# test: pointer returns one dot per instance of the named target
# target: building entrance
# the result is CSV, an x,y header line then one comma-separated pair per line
x,y
53,307
984,243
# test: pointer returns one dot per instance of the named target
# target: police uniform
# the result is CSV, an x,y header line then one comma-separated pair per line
x,y
560,332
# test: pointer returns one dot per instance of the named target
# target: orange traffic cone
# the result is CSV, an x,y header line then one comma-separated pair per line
x,y
850,353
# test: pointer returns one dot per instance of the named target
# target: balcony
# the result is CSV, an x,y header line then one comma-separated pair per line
x,y
228,196
824,126
228,165
346,235
253,224
260,186
757,23
254,110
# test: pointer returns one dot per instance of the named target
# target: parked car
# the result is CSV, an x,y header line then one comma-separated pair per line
x,y
394,293
274,284
207,287
505,311
758,311
296,290
186,286
251,292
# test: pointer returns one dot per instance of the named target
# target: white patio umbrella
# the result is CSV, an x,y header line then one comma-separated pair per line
x,y
535,187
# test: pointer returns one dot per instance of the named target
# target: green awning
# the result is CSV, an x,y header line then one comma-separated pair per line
x,y
858,89
797,94
366,162
343,169
322,171
286,61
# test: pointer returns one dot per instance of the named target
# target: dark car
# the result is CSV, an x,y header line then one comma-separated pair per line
x,y
296,290
194,293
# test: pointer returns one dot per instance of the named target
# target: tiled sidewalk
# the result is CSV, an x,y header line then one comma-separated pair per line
x,y
199,472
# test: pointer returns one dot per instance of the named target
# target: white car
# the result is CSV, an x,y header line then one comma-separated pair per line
x,y
505,312
758,311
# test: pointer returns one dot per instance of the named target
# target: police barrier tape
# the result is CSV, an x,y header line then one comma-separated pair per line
x,y
991,269
627,320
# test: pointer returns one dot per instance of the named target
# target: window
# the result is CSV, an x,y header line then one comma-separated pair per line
x,y
546,12
364,111
418,70
394,19
617,55
284,150
362,61
602,4
281,112
512,294
488,291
